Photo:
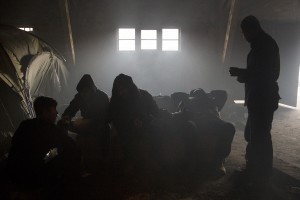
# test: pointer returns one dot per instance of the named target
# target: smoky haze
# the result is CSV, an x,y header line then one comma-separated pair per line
x,y
197,64
202,24
203,27
156,71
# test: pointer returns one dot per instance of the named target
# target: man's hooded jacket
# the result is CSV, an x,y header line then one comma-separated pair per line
x,y
95,108
139,104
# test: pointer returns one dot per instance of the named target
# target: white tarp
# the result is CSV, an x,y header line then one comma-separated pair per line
x,y
46,75
21,53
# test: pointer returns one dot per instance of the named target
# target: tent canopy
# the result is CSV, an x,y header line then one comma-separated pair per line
x,y
29,67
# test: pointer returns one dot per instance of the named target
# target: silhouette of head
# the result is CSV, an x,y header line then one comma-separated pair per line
x,y
86,87
45,108
124,87
250,27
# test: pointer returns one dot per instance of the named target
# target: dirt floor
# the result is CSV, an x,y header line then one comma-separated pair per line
x,y
284,183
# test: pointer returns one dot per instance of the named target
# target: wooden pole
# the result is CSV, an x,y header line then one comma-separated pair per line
x,y
70,34
228,30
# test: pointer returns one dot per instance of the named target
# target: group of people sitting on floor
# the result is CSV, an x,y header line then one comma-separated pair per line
x,y
129,127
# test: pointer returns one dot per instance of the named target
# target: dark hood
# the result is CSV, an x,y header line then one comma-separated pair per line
x,y
86,82
125,81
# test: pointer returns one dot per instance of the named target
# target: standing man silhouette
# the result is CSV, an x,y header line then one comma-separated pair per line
x,y
261,96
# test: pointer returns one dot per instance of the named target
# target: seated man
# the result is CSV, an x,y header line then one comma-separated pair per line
x,y
136,106
40,153
93,105
131,112
93,127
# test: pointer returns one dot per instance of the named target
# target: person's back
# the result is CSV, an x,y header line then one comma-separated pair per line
x,y
263,65
214,136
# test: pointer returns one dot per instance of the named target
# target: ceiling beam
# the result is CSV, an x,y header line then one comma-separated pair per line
x,y
69,27
228,30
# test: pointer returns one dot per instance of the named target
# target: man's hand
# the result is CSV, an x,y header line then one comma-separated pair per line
x,y
235,71
65,119
239,73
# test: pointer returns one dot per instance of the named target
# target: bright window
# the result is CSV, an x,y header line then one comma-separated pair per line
x,y
126,39
148,39
28,29
170,39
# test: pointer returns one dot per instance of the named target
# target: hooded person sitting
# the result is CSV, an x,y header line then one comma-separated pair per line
x,y
131,112
93,105
93,127
130,107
